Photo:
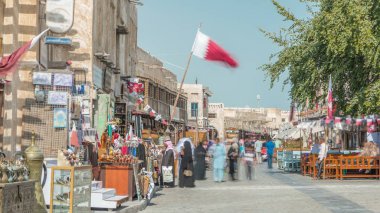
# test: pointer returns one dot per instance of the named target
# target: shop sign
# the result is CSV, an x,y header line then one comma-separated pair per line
x,y
57,40
108,79
59,15
97,76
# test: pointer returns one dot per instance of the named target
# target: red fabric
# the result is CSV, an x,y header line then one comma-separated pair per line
x,y
124,150
337,120
8,63
74,139
217,53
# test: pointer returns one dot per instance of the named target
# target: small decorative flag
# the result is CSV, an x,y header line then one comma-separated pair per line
x,y
359,122
207,49
348,121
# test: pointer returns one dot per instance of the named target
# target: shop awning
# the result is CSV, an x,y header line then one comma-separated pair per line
x,y
314,126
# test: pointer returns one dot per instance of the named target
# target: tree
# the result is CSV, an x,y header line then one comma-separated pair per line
x,y
342,39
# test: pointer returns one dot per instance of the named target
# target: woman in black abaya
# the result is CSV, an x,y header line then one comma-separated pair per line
x,y
186,170
200,161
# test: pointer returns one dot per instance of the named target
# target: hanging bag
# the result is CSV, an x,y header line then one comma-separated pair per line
x,y
167,174
188,172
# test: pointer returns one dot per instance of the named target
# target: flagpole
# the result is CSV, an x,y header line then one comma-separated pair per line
x,y
181,85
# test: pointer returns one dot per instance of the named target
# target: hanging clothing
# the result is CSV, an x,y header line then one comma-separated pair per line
x,y
200,162
167,163
186,164
219,156
141,154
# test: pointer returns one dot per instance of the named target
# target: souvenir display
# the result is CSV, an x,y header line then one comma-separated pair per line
x,y
71,189
14,170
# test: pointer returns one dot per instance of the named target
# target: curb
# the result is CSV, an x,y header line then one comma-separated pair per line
x,y
139,206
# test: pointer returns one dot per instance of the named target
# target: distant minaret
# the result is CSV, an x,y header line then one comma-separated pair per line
x,y
196,80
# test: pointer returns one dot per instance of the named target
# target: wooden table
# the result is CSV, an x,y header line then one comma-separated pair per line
x,y
120,178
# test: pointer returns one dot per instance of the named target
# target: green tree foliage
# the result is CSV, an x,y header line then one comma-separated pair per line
x,y
342,39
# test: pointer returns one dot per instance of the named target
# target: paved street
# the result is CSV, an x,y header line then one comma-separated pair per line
x,y
272,191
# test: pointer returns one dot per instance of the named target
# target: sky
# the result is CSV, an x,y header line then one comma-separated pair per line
x,y
167,28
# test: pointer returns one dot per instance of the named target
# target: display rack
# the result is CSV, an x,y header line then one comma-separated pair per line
x,y
70,189
121,113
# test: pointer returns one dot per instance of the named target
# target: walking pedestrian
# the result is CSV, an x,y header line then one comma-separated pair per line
x,y
249,156
270,149
323,148
219,157
258,147
200,161
241,162
232,156
167,166
186,171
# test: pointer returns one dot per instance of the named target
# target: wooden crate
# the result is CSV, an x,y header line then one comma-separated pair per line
x,y
17,197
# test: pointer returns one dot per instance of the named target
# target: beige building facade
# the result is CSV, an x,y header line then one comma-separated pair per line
x,y
197,104
247,119
102,48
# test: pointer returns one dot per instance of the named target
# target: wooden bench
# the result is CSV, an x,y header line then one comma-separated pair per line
x,y
356,166
331,167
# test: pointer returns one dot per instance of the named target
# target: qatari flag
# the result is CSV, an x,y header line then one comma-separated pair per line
x,y
330,101
207,49
8,63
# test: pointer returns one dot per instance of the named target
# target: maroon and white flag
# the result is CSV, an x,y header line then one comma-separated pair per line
x,y
208,50
330,103
8,63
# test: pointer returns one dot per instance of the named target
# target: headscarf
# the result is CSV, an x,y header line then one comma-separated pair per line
x,y
235,146
169,145
188,155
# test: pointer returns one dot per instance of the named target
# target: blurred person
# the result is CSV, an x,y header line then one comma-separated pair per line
x,y
241,162
323,149
233,152
200,161
249,157
370,149
219,158
186,170
270,150
167,165
258,146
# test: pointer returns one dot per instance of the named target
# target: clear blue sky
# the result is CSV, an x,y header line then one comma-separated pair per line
x,y
166,29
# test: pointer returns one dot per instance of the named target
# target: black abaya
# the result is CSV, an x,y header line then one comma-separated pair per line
x,y
141,154
200,162
186,164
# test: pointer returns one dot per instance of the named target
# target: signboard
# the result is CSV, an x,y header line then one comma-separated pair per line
x,y
57,40
108,79
42,78
60,118
59,15
57,98
97,76
63,80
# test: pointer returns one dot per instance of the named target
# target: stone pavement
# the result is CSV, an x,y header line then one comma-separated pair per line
x,y
272,191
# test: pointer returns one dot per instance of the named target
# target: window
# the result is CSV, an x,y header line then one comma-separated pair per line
x,y
283,120
194,109
211,115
